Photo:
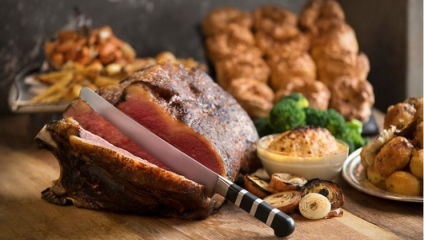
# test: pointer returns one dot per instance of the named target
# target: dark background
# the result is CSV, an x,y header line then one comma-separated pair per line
x,y
389,32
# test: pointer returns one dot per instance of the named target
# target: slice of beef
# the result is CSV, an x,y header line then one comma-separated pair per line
x,y
184,107
97,175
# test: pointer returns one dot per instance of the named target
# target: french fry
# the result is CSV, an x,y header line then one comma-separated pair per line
x,y
55,97
76,91
93,70
50,78
90,85
67,83
54,90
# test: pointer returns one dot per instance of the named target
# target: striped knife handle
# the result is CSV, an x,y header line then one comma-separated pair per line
x,y
282,224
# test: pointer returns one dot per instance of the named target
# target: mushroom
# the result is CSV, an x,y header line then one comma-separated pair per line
x,y
284,201
286,182
314,206
257,186
328,189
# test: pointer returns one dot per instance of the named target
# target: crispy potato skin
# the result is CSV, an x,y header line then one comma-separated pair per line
x,y
394,156
404,183
418,138
416,164
376,178
399,115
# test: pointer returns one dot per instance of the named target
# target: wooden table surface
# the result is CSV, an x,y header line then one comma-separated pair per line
x,y
25,171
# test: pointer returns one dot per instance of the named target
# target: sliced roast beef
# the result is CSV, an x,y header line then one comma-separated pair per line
x,y
184,107
98,175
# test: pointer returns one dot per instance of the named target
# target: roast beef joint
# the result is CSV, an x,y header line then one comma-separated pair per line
x,y
100,168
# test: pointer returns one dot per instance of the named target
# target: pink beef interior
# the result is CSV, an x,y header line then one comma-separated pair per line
x,y
179,135
96,140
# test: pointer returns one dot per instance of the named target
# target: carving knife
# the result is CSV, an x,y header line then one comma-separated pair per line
x,y
188,167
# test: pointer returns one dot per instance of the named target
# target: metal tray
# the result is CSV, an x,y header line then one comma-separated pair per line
x,y
20,94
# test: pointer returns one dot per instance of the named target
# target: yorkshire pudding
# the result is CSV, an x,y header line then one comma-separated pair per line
x,y
283,70
218,20
352,98
235,41
254,96
244,66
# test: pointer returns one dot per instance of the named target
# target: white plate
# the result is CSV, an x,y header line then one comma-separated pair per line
x,y
354,174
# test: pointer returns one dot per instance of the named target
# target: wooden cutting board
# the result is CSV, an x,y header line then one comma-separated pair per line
x,y
25,171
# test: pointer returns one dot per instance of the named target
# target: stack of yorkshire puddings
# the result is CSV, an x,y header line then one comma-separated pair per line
x,y
262,57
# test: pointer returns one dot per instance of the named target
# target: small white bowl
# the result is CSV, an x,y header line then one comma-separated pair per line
x,y
326,167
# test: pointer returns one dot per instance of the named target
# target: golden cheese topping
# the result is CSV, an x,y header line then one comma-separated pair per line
x,y
301,141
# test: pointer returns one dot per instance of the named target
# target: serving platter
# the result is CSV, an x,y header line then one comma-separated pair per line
x,y
354,173
24,89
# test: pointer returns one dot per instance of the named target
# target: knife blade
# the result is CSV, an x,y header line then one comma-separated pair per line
x,y
188,167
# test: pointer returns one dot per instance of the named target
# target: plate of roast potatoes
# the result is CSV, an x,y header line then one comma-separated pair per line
x,y
391,166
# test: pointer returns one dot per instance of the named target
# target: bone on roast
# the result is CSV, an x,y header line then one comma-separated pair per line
x,y
184,107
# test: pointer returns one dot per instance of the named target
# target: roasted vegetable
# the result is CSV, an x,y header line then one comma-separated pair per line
x,y
393,156
314,206
300,100
285,182
316,117
416,164
369,152
335,123
286,115
399,115
349,132
263,127
257,186
284,201
376,177
326,188
404,183
354,131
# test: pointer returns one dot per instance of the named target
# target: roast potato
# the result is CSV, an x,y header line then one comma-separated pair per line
x,y
404,183
393,156
399,115
418,136
376,178
416,164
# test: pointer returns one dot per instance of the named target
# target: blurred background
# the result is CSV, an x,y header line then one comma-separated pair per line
x,y
389,32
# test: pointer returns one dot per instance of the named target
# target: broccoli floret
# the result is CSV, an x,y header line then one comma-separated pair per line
x,y
263,127
353,132
286,115
335,123
316,117
355,125
301,101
